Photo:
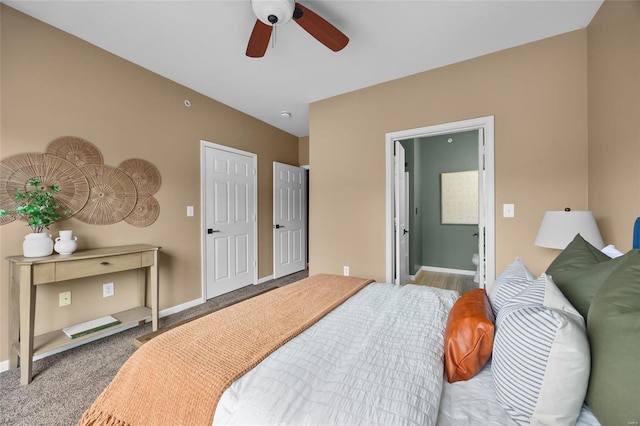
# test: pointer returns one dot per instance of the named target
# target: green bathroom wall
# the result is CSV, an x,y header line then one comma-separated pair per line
x,y
432,243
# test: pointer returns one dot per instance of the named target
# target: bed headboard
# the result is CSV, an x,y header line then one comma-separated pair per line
x,y
636,234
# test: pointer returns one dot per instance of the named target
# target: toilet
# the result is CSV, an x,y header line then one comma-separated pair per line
x,y
474,259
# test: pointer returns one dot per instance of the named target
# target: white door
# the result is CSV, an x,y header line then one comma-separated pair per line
x,y
229,220
289,225
401,216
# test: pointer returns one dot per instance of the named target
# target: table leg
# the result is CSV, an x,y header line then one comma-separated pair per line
x,y
27,317
142,290
153,282
14,315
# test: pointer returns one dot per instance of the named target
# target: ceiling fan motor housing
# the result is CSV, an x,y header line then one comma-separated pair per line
x,y
273,12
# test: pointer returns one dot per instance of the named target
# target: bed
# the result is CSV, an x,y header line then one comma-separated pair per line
x,y
375,354
382,374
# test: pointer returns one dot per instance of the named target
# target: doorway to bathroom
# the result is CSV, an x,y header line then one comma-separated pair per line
x,y
448,170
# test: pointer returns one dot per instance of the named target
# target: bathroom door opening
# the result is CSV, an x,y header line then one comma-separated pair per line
x,y
482,129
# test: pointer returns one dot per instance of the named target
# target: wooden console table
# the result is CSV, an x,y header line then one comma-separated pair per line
x,y
27,273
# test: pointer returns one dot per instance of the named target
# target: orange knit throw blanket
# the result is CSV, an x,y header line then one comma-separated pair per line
x,y
178,377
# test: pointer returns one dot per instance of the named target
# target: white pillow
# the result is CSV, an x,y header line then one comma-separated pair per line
x,y
611,251
541,357
515,278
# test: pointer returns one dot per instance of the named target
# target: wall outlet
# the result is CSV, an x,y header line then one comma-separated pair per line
x,y
108,289
345,271
64,298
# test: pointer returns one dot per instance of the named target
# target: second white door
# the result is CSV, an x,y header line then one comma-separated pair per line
x,y
289,224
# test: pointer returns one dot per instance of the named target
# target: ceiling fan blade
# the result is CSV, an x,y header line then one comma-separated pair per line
x,y
319,28
259,40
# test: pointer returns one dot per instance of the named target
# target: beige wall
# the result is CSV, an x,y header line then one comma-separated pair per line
x,y
614,119
53,85
538,95
303,151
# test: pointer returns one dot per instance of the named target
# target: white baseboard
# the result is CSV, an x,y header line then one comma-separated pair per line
x,y
179,308
4,365
447,270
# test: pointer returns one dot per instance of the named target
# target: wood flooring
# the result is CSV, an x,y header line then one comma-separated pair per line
x,y
460,283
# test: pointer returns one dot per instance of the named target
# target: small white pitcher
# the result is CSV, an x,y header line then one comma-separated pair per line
x,y
66,243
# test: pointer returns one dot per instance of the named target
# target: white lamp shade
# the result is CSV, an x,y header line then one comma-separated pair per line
x,y
559,228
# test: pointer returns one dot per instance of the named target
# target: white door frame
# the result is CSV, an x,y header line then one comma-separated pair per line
x,y
203,231
485,123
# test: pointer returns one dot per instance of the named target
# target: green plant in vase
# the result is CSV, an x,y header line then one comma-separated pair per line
x,y
39,208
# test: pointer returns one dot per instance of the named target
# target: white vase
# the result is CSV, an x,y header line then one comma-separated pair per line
x,y
66,243
37,244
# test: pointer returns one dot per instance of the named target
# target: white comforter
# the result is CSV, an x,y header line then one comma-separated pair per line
x,y
376,359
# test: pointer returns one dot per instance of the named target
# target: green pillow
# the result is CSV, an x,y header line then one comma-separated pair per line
x,y
613,327
579,271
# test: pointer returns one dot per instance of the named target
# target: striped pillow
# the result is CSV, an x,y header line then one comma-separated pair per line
x,y
515,278
541,356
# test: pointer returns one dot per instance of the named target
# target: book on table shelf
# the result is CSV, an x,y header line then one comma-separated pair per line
x,y
91,326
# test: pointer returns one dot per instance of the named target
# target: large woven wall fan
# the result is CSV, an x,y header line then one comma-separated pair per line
x,y
273,13
112,195
17,170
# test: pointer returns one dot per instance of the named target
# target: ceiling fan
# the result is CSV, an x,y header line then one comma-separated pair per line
x,y
272,13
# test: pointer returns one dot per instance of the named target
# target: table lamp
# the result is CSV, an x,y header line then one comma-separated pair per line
x,y
559,228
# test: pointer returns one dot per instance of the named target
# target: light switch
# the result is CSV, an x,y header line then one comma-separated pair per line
x,y
508,210
189,210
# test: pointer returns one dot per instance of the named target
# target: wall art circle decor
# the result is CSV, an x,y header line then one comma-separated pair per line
x,y
76,150
17,170
93,192
144,213
144,175
112,195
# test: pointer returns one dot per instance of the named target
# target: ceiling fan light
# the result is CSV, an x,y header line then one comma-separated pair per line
x,y
282,10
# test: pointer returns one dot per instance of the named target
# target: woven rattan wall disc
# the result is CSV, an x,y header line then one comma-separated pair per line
x,y
16,171
144,213
76,150
144,175
112,195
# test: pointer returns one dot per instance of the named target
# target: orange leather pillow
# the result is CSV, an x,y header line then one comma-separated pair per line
x,y
468,339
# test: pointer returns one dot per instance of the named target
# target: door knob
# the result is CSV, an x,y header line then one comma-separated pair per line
x,y
405,232
278,226
211,231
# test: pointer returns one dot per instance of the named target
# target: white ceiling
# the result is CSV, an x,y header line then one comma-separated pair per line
x,y
201,44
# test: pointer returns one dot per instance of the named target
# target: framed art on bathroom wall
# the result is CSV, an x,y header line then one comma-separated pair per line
x,y
459,197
